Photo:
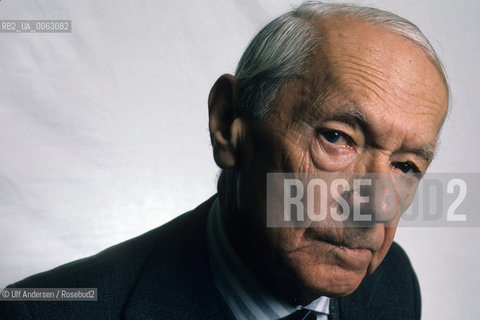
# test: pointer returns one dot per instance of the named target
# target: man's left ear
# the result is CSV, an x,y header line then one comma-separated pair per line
x,y
226,128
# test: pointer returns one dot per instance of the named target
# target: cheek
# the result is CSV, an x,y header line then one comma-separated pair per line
x,y
378,256
284,240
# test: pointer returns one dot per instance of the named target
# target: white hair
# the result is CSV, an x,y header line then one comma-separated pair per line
x,y
282,49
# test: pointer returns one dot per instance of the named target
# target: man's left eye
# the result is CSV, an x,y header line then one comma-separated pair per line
x,y
406,167
335,137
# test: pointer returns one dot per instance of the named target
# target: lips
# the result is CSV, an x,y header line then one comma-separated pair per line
x,y
352,256
352,259
351,245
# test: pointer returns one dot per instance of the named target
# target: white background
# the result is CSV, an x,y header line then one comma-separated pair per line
x,y
103,131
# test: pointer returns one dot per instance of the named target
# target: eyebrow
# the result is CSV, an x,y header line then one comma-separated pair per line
x,y
348,113
352,115
427,152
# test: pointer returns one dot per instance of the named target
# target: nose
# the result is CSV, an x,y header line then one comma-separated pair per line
x,y
384,203
373,161
373,198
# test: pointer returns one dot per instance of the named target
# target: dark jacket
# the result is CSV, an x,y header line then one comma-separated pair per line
x,y
165,274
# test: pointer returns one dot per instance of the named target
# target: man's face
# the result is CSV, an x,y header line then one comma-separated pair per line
x,y
370,102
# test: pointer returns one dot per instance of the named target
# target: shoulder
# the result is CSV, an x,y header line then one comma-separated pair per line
x,y
391,292
116,271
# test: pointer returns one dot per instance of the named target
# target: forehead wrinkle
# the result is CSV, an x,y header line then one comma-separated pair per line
x,y
374,67
366,81
374,77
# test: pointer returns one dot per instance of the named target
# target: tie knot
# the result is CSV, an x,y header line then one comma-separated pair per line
x,y
302,314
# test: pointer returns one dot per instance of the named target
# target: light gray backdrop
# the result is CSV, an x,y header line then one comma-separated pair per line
x,y
103,131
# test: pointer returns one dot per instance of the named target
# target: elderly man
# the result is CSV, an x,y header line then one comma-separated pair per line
x,y
325,88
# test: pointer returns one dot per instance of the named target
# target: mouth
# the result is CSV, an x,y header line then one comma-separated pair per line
x,y
358,252
356,260
351,256
351,245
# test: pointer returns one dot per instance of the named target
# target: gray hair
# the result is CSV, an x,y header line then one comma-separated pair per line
x,y
281,50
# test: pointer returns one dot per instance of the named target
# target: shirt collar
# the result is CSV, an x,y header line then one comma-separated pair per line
x,y
245,295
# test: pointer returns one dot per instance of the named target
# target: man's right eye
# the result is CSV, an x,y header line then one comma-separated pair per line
x,y
335,137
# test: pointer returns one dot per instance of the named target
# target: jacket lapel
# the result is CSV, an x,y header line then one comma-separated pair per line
x,y
176,281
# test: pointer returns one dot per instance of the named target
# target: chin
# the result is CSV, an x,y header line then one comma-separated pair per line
x,y
340,290
326,280
339,285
